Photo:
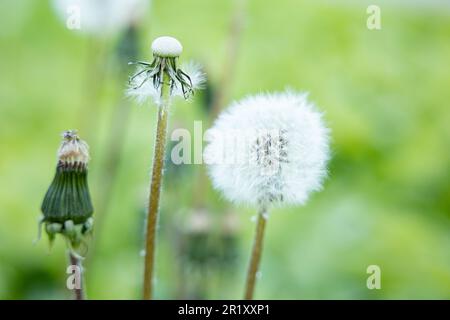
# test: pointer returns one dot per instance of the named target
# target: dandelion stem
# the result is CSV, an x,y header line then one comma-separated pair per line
x,y
229,66
221,95
256,255
108,176
93,82
76,261
155,187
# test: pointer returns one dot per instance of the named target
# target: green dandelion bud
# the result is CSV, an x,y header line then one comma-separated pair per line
x,y
67,207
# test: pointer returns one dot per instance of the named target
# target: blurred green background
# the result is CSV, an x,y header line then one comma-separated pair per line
x,y
385,94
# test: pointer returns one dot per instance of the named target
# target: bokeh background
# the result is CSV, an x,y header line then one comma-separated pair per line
x,y
385,94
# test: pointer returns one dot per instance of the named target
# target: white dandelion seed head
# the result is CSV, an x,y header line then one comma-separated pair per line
x,y
148,91
268,149
101,17
73,149
167,47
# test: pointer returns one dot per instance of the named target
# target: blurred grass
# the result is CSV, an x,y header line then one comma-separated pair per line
x,y
385,95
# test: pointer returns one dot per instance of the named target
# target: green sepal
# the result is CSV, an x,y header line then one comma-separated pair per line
x,y
68,196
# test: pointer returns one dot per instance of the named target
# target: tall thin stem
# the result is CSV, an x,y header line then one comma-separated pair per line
x,y
223,88
256,255
93,82
75,261
229,66
155,187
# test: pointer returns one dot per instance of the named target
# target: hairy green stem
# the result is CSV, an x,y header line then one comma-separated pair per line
x,y
256,255
155,187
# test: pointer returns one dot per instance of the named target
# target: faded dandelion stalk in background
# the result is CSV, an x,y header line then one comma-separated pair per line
x,y
160,80
206,248
126,50
67,208
221,246
280,157
222,89
100,20
233,43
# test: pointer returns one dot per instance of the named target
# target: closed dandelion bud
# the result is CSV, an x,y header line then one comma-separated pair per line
x,y
67,207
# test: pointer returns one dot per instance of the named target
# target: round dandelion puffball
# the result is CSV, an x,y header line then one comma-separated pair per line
x,y
167,47
268,149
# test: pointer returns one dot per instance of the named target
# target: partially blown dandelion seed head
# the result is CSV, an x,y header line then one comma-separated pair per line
x,y
279,150
148,81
